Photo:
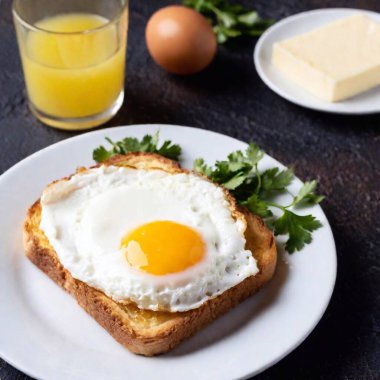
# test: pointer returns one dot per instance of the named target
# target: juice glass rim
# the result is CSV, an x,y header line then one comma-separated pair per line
x,y
21,20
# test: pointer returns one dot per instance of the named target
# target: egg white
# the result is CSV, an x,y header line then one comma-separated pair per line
x,y
86,217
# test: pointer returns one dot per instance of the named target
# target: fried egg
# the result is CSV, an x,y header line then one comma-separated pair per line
x,y
161,240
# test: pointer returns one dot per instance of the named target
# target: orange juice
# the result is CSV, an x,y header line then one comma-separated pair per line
x,y
73,75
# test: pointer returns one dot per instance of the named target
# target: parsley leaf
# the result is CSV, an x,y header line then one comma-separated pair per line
x,y
230,20
148,143
101,154
307,195
298,228
129,144
276,180
169,150
235,181
254,154
200,167
257,206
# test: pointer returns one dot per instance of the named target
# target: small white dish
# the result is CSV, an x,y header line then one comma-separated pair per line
x,y
365,103
45,333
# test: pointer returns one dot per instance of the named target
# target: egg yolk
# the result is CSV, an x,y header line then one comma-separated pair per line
x,y
163,247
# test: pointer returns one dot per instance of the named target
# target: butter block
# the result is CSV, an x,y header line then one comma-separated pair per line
x,y
334,62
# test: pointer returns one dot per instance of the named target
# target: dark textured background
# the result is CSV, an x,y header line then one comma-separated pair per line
x,y
343,152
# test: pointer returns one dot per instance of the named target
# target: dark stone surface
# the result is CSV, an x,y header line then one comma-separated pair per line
x,y
343,152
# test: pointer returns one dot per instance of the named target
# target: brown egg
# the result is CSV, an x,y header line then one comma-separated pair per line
x,y
180,40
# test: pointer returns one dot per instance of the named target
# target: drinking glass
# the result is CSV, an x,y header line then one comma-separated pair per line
x,y
73,58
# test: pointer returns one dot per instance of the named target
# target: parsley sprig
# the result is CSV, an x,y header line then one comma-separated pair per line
x,y
230,20
257,191
130,144
253,188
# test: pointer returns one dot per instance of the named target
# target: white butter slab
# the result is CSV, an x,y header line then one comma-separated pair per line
x,y
365,103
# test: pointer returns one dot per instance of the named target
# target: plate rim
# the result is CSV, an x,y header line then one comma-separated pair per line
x,y
270,363
261,43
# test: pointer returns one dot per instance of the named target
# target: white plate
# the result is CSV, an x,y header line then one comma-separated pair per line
x,y
365,103
47,335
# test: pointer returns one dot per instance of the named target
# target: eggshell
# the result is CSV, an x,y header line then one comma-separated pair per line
x,y
180,40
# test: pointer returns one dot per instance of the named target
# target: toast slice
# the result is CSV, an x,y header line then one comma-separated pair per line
x,y
149,332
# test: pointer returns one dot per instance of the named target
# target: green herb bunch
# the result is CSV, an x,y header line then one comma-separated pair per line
x,y
130,144
230,20
257,191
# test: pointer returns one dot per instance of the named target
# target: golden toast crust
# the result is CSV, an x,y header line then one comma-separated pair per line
x,y
143,331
